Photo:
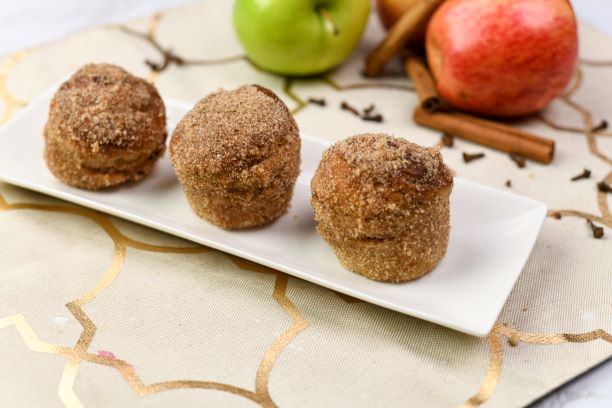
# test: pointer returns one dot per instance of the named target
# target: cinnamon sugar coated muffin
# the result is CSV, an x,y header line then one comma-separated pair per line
x,y
382,203
105,127
237,155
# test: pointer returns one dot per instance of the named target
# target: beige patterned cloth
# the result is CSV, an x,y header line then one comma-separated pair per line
x,y
95,311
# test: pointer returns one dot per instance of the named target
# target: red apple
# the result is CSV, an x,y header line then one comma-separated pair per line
x,y
389,11
502,57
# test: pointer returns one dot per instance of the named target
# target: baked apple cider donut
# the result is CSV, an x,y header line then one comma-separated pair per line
x,y
105,127
237,155
382,204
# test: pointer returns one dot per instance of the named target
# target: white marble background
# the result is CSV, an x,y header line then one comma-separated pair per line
x,y
24,23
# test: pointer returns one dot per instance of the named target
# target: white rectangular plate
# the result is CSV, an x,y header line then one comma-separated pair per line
x,y
492,232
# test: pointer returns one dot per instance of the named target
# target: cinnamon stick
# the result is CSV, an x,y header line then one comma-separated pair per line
x,y
402,31
423,83
488,133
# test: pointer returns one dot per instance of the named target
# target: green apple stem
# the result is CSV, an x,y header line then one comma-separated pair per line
x,y
328,19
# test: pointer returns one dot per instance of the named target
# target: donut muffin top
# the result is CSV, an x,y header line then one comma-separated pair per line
x,y
230,133
386,160
102,106
374,185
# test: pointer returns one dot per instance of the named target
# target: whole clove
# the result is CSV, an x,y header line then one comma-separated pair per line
x,y
448,140
518,159
178,60
509,183
153,65
373,118
317,101
368,113
603,125
467,157
598,232
586,173
603,187
345,106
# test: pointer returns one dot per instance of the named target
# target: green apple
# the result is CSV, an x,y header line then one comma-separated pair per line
x,y
299,37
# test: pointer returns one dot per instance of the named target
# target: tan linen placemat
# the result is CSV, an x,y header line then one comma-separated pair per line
x,y
95,311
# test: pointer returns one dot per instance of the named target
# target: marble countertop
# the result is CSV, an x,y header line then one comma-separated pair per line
x,y
30,22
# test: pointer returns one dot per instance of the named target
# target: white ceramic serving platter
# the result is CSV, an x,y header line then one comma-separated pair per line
x,y
492,232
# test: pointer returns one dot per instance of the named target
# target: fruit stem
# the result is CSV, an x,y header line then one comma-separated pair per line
x,y
328,19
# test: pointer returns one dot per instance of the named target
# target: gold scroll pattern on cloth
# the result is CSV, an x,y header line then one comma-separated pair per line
x,y
78,353
169,60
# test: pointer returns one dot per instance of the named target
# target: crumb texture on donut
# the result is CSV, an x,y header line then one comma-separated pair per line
x,y
105,127
237,155
382,203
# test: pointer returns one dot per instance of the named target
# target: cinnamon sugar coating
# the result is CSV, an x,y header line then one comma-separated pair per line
x,y
105,127
237,155
382,203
